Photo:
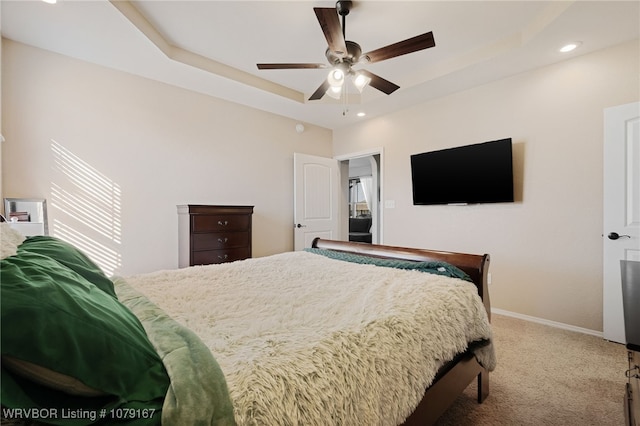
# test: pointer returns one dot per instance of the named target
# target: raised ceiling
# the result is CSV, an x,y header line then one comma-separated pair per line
x,y
212,47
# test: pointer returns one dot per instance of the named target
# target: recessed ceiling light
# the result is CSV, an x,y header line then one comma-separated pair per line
x,y
50,1
570,46
361,114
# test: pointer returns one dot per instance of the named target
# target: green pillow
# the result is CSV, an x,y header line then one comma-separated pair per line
x,y
55,318
70,257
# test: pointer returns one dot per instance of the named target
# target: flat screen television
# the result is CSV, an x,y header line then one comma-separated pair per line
x,y
471,174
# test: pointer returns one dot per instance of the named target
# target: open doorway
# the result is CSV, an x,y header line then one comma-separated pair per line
x,y
363,196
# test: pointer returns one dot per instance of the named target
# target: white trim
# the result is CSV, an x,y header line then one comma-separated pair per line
x,y
554,324
359,154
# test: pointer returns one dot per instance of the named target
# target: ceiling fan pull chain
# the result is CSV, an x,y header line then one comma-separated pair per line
x,y
345,101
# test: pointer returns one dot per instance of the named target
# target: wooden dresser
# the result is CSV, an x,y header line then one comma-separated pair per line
x,y
213,234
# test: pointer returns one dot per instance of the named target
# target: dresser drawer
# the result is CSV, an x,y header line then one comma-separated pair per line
x,y
213,223
206,257
220,240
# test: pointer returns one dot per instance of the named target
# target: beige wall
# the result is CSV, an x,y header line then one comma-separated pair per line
x,y
114,154
546,248
128,150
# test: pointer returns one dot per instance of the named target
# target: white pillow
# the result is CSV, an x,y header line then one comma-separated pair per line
x,y
10,239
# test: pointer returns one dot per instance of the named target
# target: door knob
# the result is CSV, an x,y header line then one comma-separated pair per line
x,y
301,226
615,236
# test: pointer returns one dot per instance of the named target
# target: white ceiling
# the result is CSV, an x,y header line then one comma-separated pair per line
x,y
212,47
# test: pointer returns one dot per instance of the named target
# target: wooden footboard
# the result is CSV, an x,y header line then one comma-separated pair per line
x,y
454,378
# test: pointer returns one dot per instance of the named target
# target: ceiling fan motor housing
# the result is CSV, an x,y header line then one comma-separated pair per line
x,y
353,54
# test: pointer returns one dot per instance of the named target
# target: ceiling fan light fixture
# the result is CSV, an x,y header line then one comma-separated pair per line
x,y
336,77
360,81
335,92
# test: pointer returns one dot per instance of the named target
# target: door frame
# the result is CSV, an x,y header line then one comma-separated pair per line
x,y
343,160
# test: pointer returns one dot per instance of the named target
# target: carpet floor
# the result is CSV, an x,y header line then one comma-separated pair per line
x,y
547,376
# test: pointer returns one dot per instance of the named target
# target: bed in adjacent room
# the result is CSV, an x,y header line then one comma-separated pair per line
x,y
341,333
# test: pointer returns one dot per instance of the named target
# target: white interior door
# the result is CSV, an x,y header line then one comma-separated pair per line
x,y
621,208
316,198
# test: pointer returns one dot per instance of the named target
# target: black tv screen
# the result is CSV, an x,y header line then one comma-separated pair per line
x,y
471,174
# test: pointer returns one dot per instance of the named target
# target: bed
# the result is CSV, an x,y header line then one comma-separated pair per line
x,y
205,344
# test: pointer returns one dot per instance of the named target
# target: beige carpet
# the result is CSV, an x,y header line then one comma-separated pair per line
x,y
547,376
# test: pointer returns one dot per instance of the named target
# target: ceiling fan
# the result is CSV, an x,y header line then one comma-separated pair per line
x,y
343,55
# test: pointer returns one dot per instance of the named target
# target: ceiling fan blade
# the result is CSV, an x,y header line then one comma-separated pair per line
x,y
423,41
330,24
320,91
289,66
380,83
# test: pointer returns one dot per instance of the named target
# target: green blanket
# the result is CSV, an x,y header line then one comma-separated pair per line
x,y
69,347
198,392
433,267
86,352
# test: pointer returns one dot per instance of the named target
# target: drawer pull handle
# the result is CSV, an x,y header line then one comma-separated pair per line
x,y
224,257
223,223
223,240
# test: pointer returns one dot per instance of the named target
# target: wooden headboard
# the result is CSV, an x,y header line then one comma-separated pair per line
x,y
475,265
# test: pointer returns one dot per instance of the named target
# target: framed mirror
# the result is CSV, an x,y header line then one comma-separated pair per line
x,y
27,215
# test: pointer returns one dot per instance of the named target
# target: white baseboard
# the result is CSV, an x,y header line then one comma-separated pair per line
x,y
547,322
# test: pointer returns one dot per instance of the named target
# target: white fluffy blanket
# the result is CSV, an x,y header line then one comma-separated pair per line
x,y
10,239
307,340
